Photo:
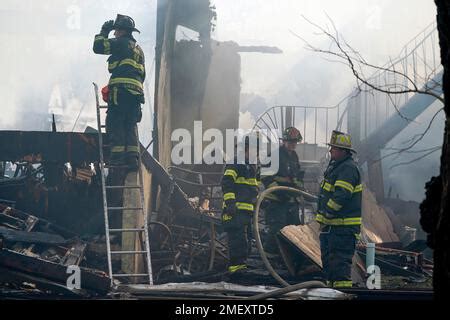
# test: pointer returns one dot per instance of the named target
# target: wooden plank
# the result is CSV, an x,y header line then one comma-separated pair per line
x,y
132,263
30,222
377,226
58,147
74,255
91,279
10,276
306,240
31,237
229,288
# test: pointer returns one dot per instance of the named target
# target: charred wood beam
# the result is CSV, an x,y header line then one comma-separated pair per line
x,y
177,198
60,147
91,279
10,276
74,255
31,237
390,267
31,223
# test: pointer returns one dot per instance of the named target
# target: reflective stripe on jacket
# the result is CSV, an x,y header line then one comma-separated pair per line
x,y
240,186
126,63
340,194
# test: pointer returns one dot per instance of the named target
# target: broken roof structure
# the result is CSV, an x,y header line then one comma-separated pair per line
x,y
51,214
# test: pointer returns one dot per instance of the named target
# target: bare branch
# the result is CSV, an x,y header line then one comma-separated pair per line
x,y
415,151
419,138
354,56
416,159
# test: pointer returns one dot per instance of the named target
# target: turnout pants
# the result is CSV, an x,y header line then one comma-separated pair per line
x,y
337,245
238,230
277,216
124,112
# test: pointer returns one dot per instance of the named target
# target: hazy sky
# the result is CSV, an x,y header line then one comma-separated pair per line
x,y
47,57
49,41
377,28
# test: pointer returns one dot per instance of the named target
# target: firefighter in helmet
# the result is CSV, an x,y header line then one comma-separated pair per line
x,y
281,208
124,92
240,190
339,211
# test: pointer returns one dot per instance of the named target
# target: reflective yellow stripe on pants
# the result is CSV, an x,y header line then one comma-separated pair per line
x,y
237,267
245,206
342,284
126,81
118,149
133,149
339,221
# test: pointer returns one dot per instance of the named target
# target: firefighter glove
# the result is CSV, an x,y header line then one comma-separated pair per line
x,y
108,26
230,208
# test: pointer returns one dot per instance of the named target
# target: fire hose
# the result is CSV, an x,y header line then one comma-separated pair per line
x,y
277,277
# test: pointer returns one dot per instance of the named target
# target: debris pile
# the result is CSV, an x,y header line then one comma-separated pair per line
x,y
37,255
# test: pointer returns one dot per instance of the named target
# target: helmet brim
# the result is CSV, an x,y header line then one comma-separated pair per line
x,y
341,147
122,28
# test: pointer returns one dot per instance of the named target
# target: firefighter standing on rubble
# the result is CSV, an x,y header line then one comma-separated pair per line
x,y
240,190
124,93
281,208
339,212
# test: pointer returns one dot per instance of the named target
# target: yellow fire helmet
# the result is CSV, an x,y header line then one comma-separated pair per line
x,y
341,140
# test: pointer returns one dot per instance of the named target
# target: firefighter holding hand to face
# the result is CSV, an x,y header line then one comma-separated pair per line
x,y
281,208
240,191
124,93
339,212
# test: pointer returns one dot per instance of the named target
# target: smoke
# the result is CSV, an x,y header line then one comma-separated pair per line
x,y
297,76
49,64
408,181
378,29
246,120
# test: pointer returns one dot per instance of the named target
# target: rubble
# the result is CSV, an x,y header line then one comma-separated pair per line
x,y
33,250
51,202
223,290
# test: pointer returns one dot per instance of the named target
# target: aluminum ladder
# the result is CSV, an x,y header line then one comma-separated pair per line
x,y
107,210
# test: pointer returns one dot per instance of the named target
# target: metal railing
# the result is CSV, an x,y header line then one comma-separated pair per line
x,y
315,123
418,62
415,67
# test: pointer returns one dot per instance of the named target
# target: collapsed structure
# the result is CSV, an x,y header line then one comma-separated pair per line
x,y
51,214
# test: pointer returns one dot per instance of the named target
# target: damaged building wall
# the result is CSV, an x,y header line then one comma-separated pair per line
x,y
165,42
188,82
220,107
196,80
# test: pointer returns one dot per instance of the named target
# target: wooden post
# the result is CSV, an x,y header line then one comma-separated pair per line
x,y
375,172
134,219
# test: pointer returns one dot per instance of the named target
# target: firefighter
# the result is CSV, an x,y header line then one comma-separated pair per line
x,y
281,208
339,212
240,190
124,92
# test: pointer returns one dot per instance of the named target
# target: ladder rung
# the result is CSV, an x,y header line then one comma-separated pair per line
x,y
130,275
103,126
103,107
128,252
124,208
126,230
122,187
